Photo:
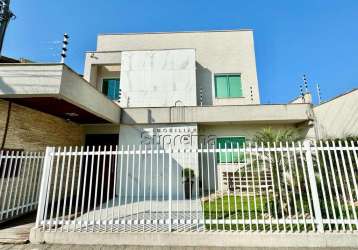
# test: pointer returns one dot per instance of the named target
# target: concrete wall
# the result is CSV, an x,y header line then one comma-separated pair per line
x,y
32,130
158,78
254,114
94,60
164,136
34,79
337,118
216,52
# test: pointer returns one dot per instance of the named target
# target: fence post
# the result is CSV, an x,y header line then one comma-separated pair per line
x,y
313,184
44,183
170,189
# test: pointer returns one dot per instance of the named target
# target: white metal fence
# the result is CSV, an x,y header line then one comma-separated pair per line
x,y
283,187
20,174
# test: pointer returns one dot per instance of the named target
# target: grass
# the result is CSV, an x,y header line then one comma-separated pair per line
x,y
232,207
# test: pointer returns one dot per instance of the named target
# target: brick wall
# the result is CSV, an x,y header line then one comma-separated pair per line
x,y
33,130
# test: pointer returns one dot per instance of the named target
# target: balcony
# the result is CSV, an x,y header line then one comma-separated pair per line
x,y
56,89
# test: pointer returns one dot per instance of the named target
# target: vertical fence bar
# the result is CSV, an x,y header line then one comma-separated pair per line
x,y
341,184
66,188
54,191
170,188
102,187
95,189
273,185
277,166
241,187
78,188
322,185
292,186
299,188
15,204
313,185
201,153
45,180
253,186
216,186
354,182
144,185
3,177
348,184
132,189
109,169
60,188
139,166
36,181
329,185
264,158
121,174
234,183
7,180
285,183
209,188
13,177
151,186
90,188
247,188
260,186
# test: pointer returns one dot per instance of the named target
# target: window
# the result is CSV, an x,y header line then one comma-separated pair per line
x,y
110,87
228,86
231,144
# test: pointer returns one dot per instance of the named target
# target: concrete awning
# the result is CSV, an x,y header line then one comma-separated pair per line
x,y
57,90
248,114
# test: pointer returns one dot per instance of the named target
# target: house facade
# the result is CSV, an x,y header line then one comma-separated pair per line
x,y
198,84
181,89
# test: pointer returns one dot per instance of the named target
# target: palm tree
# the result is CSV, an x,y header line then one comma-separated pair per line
x,y
285,165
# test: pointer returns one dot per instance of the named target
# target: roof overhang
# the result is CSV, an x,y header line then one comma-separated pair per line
x,y
57,90
244,114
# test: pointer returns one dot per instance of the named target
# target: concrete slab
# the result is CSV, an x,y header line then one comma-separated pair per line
x,y
207,239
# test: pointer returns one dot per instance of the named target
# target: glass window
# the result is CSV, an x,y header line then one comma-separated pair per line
x,y
110,87
228,147
228,86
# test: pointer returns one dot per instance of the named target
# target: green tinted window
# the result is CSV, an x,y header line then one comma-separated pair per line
x,y
110,87
228,86
228,147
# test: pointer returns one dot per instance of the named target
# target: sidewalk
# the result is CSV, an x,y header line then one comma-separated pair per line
x,y
101,247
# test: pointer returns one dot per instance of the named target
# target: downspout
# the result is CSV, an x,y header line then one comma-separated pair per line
x,y
6,125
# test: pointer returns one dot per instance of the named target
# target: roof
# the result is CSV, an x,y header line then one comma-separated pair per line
x,y
173,32
338,96
4,59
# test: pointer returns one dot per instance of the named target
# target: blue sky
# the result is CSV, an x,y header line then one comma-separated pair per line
x,y
292,37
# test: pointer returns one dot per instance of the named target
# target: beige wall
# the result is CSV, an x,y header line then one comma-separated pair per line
x,y
248,130
337,118
32,130
216,52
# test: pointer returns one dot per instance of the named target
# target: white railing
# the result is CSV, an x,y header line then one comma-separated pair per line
x,y
20,174
284,187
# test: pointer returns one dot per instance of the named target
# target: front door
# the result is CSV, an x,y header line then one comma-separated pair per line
x,y
103,169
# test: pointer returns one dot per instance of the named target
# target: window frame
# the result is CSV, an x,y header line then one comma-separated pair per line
x,y
108,79
229,161
227,74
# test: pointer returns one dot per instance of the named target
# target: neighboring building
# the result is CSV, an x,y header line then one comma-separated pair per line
x,y
337,118
4,59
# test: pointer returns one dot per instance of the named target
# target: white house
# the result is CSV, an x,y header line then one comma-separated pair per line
x,y
163,89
